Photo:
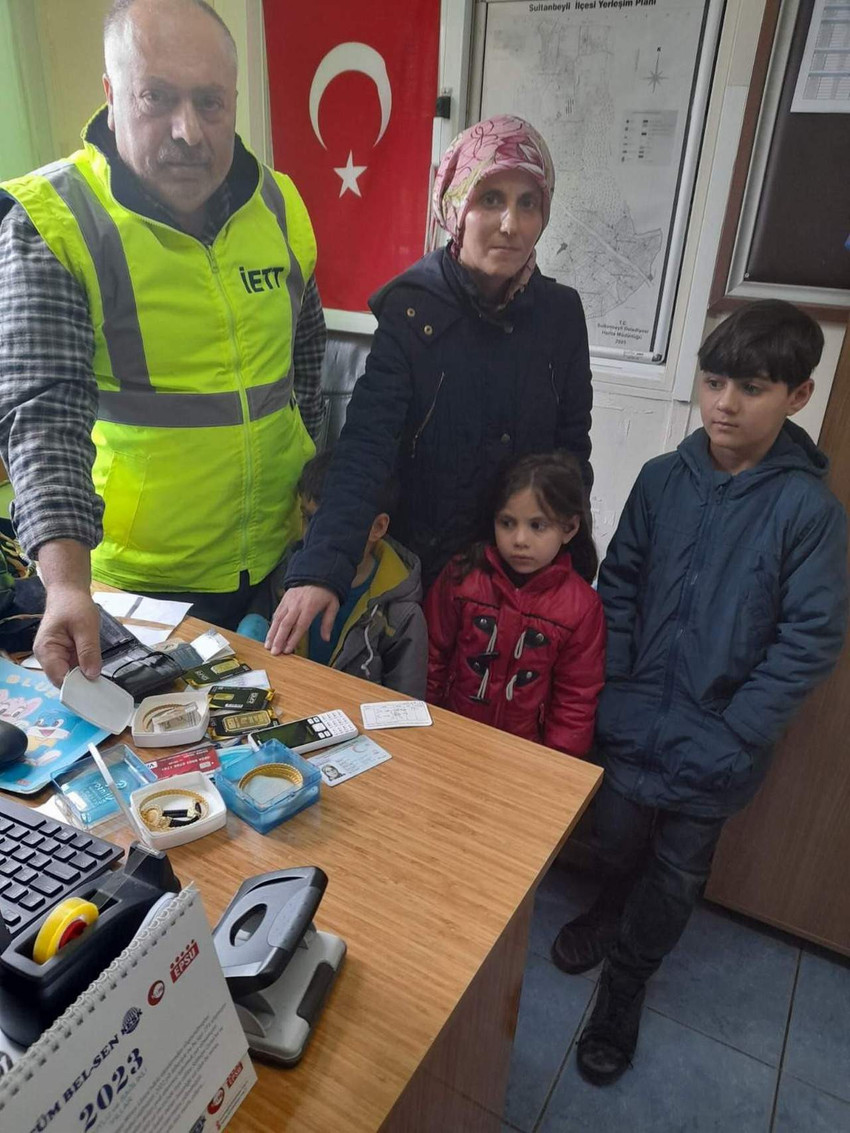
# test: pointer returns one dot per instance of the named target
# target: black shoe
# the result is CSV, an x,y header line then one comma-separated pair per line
x,y
583,943
608,1042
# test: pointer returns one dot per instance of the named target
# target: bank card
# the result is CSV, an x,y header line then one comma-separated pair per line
x,y
204,759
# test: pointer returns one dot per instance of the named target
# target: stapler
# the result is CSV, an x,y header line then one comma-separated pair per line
x,y
278,966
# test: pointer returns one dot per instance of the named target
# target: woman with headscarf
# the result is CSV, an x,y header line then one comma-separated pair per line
x,y
478,358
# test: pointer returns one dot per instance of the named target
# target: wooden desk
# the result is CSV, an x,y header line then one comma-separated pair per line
x,y
432,858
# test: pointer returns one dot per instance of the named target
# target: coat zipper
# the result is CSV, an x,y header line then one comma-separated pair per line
x,y
243,401
555,393
689,590
428,415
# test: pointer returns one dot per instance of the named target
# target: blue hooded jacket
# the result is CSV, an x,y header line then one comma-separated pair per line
x,y
725,598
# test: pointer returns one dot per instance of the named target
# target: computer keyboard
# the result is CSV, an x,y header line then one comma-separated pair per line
x,y
42,860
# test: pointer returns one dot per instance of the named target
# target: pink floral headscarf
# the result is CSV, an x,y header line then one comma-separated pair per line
x,y
492,146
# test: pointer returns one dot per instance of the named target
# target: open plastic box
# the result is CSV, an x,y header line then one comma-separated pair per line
x,y
264,801
82,791
158,794
104,703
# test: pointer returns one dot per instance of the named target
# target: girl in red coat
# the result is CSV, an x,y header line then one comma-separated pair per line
x,y
516,632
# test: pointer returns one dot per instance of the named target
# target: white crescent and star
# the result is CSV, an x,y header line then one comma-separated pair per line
x,y
367,61
349,173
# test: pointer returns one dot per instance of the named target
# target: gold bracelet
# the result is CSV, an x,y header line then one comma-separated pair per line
x,y
153,816
272,771
161,718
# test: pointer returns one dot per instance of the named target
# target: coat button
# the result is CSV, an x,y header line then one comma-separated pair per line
x,y
427,329
411,312
506,438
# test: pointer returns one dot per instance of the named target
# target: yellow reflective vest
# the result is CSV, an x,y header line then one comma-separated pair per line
x,y
199,440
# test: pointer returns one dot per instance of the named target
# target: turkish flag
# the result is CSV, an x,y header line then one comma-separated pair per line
x,y
352,89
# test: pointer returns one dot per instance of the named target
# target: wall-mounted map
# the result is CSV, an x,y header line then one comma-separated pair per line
x,y
610,85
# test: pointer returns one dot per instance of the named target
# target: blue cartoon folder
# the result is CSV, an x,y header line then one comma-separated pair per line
x,y
57,738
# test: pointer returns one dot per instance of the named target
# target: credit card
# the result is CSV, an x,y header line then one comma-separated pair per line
x,y
204,759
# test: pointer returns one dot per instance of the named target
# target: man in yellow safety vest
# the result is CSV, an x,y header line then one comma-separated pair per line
x,y
161,336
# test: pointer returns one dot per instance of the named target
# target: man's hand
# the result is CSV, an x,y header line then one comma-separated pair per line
x,y
69,634
70,629
295,615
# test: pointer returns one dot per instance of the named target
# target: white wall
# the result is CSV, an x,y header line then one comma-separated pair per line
x,y
70,34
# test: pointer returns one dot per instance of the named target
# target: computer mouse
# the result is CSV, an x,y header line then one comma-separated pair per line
x,y
13,743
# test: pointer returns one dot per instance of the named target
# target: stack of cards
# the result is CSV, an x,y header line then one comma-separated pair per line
x,y
210,646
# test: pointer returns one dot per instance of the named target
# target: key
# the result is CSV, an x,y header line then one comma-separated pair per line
x,y
62,872
32,901
47,886
9,914
82,861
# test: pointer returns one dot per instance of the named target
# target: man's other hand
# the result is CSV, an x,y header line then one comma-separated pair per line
x,y
69,634
296,613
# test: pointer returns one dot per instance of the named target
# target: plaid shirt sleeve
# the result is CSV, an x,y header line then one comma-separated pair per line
x,y
308,352
48,395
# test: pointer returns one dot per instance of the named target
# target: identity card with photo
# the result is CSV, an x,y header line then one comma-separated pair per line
x,y
347,760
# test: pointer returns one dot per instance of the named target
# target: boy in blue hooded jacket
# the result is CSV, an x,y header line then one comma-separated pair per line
x,y
725,596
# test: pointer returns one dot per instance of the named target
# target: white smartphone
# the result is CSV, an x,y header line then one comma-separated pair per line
x,y
309,734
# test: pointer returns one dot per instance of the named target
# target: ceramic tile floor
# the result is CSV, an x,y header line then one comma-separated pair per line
x,y
745,1030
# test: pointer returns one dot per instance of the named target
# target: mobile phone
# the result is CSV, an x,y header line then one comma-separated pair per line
x,y
309,734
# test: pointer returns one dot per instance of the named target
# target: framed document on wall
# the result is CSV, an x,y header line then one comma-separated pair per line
x,y
619,92
787,227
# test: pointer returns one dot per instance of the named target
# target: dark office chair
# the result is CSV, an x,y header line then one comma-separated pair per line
x,y
345,361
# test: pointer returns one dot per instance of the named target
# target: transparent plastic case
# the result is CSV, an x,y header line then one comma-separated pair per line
x,y
85,797
267,786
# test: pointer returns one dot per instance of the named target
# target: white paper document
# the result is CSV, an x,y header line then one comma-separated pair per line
x,y
162,612
149,635
118,604
823,81
212,646
396,714
347,760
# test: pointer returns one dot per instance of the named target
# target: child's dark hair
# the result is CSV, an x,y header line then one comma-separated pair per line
x,y
555,479
311,484
767,339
